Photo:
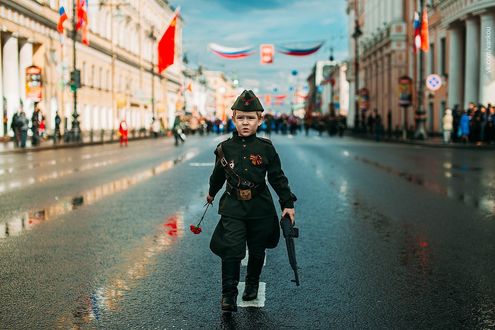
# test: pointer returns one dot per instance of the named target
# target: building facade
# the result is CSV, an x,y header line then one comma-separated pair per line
x,y
116,67
384,56
224,93
462,50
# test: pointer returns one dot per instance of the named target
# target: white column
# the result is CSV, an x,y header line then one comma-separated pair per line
x,y
2,133
487,55
455,71
25,60
10,61
471,78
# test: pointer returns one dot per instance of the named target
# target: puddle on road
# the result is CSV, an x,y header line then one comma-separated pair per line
x,y
485,203
27,220
55,175
126,277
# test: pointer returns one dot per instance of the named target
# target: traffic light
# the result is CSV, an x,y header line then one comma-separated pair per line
x,y
75,80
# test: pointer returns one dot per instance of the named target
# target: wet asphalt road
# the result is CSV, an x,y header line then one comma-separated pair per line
x,y
391,236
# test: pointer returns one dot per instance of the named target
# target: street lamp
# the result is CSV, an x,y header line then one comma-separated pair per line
x,y
152,37
357,33
75,133
420,112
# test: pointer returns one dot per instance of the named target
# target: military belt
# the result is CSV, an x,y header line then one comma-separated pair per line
x,y
244,194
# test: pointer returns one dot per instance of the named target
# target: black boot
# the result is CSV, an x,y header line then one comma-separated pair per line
x,y
230,279
255,264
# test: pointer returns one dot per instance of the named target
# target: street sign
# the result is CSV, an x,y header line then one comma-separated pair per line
x,y
405,91
34,85
433,82
266,52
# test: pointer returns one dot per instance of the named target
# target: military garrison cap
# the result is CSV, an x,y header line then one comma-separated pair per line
x,y
247,102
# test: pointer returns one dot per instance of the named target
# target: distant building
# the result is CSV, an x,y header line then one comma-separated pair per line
x,y
225,93
115,68
328,88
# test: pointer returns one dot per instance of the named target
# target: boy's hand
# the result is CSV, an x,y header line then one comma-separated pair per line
x,y
291,213
209,199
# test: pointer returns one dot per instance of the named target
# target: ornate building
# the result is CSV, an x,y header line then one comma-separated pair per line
x,y
115,68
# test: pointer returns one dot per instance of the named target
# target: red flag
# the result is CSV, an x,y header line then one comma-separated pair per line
x,y
166,46
61,20
425,44
82,23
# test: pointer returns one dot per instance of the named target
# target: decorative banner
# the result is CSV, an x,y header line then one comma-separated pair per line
x,y
266,52
231,53
302,95
405,91
299,51
280,97
364,99
33,83
268,100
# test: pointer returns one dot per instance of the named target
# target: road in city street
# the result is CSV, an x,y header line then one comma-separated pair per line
x,y
391,236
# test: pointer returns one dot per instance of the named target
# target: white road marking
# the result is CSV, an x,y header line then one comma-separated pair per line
x,y
202,164
258,302
244,261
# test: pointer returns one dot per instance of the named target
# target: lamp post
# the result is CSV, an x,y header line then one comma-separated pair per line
x,y
357,33
420,133
75,77
152,37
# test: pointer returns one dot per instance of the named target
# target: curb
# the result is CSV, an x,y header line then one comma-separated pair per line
x,y
426,144
64,146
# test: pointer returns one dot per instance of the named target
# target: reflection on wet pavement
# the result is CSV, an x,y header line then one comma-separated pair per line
x,y
126,276
55,175
27,220
485,203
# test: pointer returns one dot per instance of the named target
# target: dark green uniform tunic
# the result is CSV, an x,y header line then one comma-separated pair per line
x,y
254,221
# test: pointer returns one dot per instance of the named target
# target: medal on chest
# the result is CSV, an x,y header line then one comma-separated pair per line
x,y
256,160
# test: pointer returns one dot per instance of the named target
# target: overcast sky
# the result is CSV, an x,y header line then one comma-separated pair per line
x,y
239,23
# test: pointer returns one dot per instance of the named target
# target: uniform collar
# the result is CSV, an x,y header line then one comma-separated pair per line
x,y
243,139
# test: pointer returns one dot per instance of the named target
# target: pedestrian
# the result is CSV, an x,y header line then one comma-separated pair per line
x,y
35,127
23,123
16,128
447,125
123,132
177,130
247,211
56,134
490,126
155,127
464,124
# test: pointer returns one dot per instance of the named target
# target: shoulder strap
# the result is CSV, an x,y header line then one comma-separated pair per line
x,y
230,171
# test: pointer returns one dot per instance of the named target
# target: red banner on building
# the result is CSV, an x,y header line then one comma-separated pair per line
x,y
266,53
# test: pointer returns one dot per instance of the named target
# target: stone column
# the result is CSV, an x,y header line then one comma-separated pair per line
x,y
487,59
2,131
455,70
10,62
25,60
471,78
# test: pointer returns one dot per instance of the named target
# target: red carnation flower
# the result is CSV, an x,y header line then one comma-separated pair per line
x,y
195,229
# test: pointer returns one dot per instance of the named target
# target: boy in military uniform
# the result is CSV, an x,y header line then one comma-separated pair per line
x,y
247,211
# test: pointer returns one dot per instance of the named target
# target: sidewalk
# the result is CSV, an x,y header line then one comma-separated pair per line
x,y
432,142
9,147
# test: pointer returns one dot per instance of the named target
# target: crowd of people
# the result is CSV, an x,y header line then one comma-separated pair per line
x,y
475,124
20,127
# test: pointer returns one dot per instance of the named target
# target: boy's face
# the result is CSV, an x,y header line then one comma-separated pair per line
x,y
246,122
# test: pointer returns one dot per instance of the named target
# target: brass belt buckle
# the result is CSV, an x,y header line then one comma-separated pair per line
x,y
245,194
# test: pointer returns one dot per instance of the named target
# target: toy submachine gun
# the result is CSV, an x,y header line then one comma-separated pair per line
x,y
290,232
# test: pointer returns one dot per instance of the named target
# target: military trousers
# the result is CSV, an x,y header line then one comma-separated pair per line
x,y
232,234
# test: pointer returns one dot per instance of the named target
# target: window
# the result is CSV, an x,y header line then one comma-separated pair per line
x,y
442,57
432,58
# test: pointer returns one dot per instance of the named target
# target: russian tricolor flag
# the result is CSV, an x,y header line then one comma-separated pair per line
x,y
61,20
